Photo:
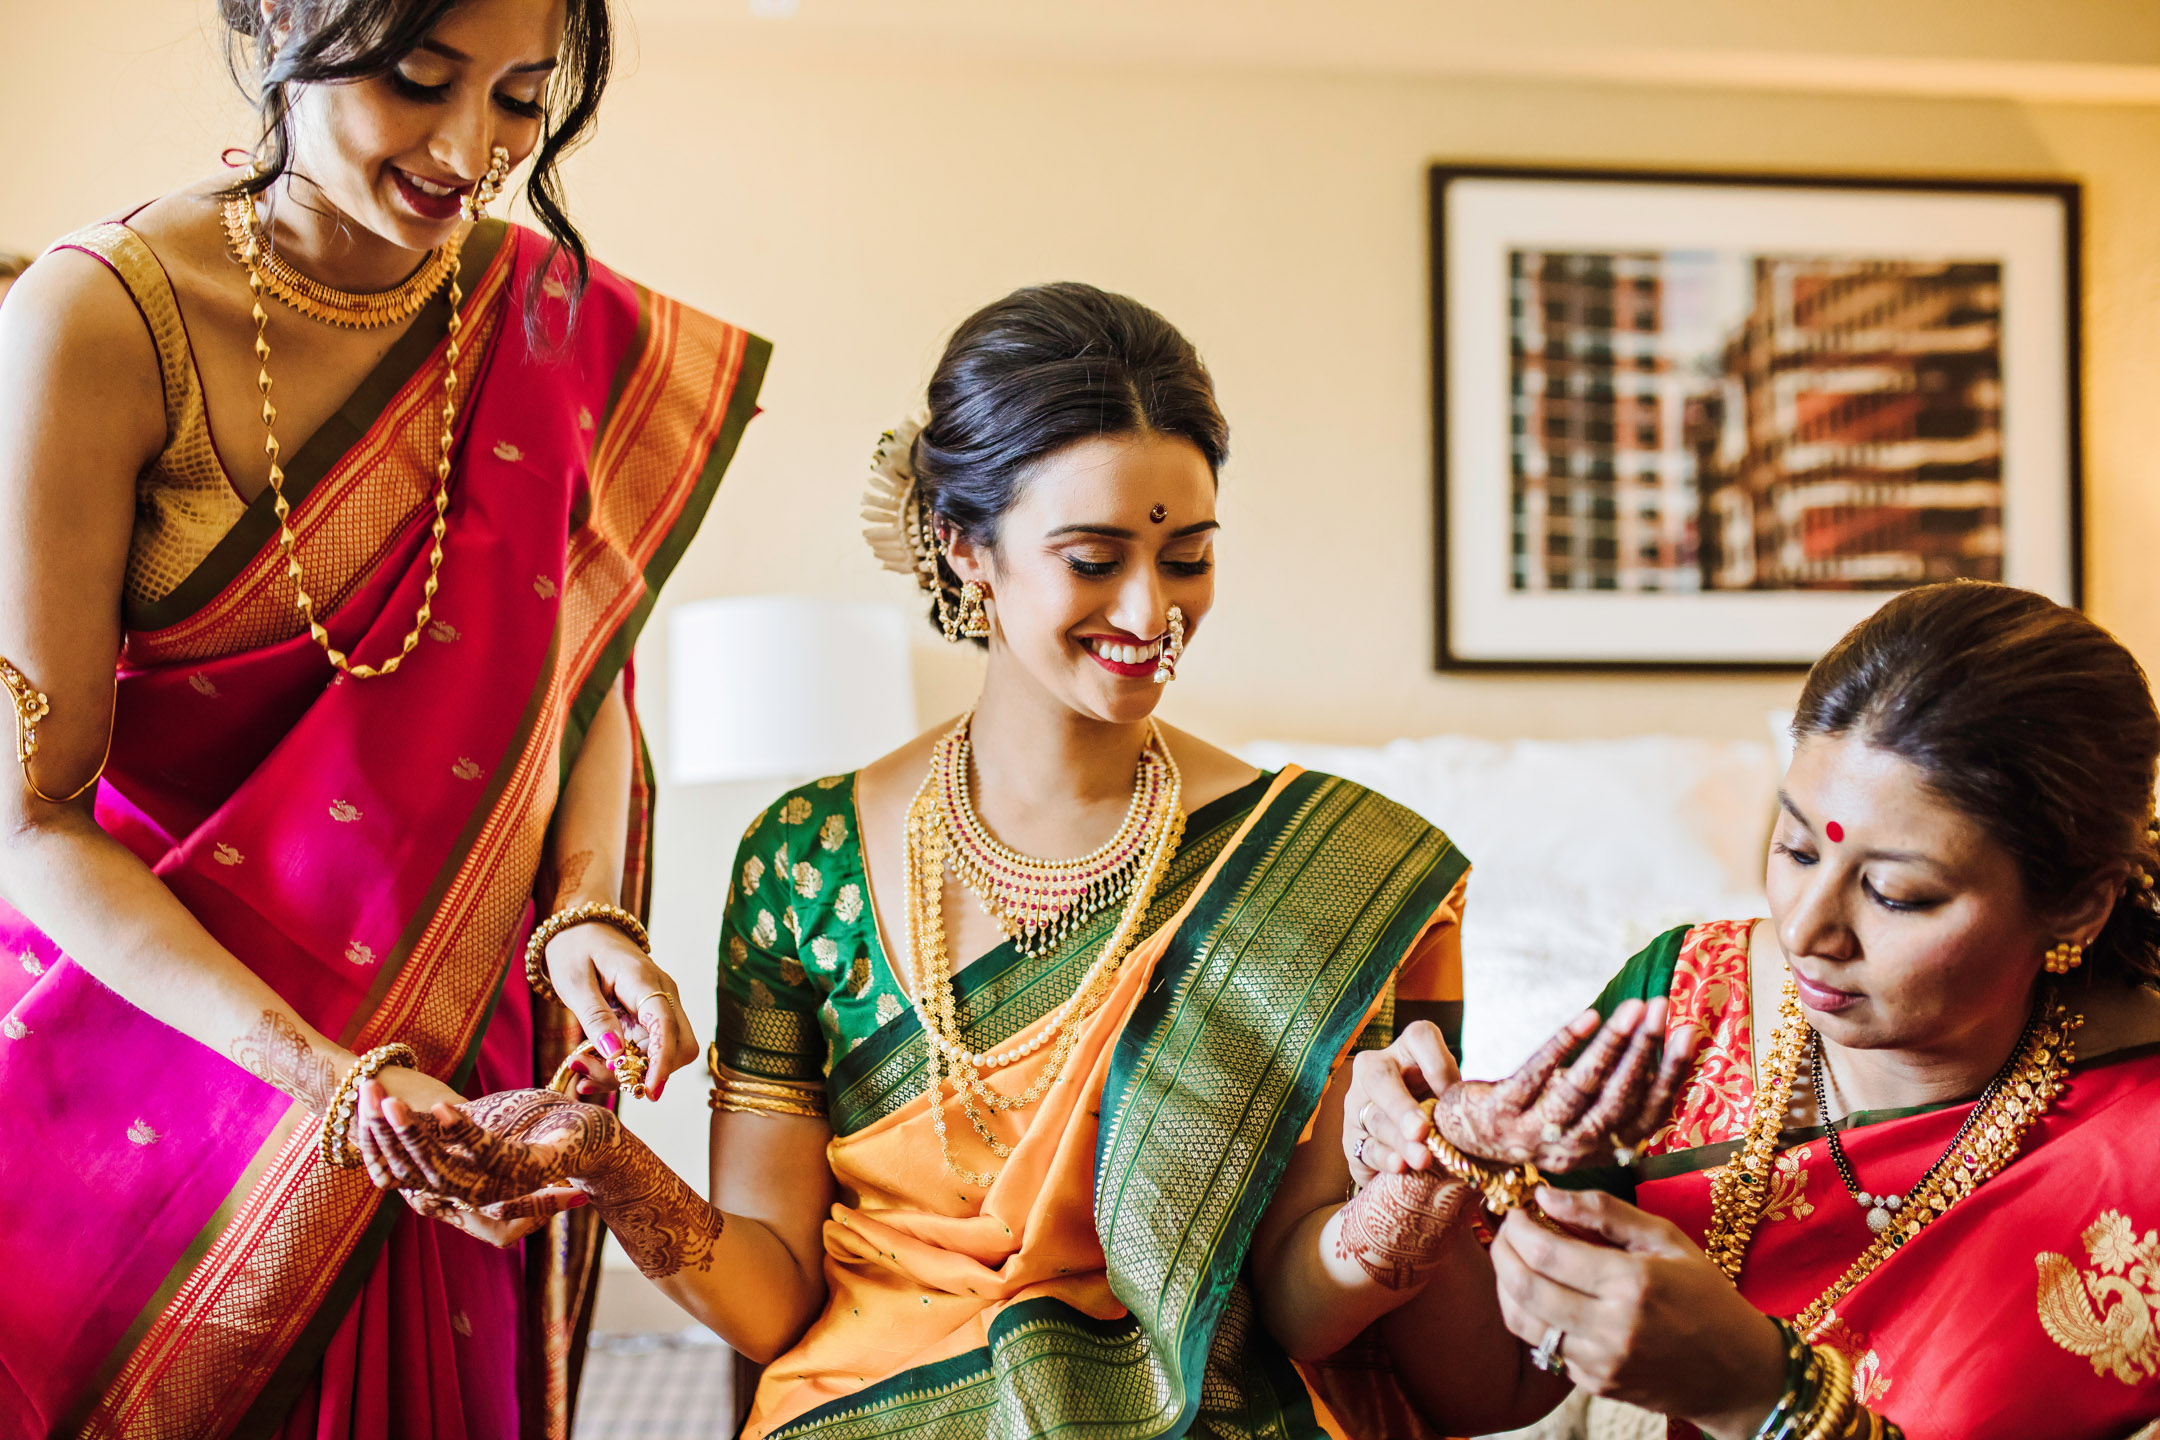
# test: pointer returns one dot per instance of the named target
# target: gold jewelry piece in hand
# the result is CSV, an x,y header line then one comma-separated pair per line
x,y
31,708
628,1068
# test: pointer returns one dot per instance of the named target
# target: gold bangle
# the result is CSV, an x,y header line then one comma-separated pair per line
x,y
1505,1187
344,1107
31,707
592,911
1834,1399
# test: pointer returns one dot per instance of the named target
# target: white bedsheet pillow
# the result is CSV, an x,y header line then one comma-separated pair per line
x,y
1583,851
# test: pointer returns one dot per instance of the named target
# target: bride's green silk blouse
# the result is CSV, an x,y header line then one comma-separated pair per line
x,y
806,986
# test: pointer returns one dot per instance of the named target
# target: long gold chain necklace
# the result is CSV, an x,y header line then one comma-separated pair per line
x,y
252,255
1038,902
2029,1081
929,964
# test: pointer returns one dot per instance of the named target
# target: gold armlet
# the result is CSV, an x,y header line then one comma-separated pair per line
x,y
593,911
337,1122
31,707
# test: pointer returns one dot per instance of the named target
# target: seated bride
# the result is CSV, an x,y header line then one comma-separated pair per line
x,y
1002,1144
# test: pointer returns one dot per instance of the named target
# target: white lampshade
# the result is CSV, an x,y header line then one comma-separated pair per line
x,y
764,687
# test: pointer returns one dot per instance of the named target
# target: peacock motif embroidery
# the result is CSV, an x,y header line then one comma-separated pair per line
x,y
2110,1313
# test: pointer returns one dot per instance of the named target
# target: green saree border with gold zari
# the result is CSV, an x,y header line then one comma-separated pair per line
x,y
1267,983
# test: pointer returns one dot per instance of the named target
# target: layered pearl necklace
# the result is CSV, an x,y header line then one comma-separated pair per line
x,y
1035,899
1994,1130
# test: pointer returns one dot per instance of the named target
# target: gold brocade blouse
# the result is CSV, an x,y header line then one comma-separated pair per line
x,y
184,501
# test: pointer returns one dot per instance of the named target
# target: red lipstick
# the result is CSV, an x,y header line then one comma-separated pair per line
x,y
425,205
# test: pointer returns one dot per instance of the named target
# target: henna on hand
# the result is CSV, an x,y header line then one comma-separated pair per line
x,y
1396,1228
498,1151
489,1150
277,1051
1613,1095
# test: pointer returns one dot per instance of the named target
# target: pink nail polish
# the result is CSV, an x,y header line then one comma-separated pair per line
x,y
577,1201
610,1044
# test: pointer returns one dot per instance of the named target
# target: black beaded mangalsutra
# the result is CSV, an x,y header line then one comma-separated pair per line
x,y
1882,1209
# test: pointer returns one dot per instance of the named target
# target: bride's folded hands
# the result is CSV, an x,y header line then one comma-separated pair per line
x,y
1614,1095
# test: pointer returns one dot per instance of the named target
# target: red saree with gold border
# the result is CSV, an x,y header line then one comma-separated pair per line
x,y
181,1262
2030,1309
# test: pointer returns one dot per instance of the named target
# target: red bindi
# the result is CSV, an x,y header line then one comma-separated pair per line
x,y
1835,831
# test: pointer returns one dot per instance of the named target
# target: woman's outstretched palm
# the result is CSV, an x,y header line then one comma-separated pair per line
x,y
495,1152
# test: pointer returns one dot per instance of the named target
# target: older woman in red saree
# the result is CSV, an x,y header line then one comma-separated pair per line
x,y
307,844
1909,1187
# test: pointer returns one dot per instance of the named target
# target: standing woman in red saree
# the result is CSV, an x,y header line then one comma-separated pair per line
x,y
354,652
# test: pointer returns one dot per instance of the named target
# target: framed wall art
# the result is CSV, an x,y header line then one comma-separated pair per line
x,y
1697,421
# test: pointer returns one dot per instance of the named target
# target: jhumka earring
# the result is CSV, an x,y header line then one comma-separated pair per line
x,y
968,620
2065,957
483,194
1173,648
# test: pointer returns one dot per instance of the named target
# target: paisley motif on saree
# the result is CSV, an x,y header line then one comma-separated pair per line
x,y
369,848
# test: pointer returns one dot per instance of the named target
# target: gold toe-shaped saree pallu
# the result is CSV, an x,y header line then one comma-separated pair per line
x,y
1093,1288
179,1255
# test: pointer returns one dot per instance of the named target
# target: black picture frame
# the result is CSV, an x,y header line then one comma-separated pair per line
x,y
1443,178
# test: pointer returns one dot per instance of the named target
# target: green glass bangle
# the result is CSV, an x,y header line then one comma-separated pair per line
x,y
1802,1382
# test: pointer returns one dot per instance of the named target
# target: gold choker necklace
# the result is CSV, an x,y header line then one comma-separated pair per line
x,y
930,830
347,309
2037,1071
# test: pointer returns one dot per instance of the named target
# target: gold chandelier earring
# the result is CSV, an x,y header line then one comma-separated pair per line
x,y
1173,648
2064,958
483,194
969,619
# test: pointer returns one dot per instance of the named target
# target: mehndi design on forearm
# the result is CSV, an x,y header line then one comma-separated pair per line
x,y
277,1051
571,873
1396,1228
663,1225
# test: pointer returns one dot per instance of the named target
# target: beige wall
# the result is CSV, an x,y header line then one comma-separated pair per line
x,y
852,205
852,200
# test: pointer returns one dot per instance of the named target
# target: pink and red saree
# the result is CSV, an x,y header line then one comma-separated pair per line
x,y
180,1261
